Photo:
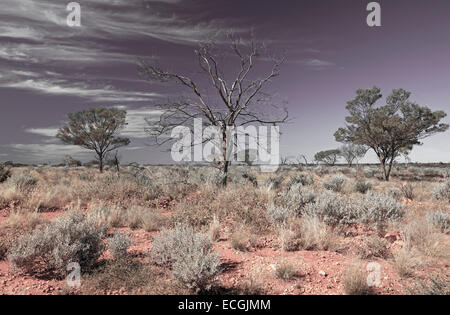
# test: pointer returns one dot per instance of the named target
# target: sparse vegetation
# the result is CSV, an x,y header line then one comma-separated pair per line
x,y
52,247
179,219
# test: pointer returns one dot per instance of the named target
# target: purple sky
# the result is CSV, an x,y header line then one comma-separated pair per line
x,y
49,69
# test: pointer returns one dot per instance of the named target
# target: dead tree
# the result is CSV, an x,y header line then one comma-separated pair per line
x,y
240,96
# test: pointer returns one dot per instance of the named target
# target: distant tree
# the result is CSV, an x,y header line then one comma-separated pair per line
x,y
70,161
250,156
114,161
329,157
351,152
96,129
5,172
391,129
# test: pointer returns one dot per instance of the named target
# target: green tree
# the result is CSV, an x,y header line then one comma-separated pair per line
x,y
329,157
351,152
96,129
391,129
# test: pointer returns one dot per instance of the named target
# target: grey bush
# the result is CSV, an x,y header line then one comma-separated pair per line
x,y
53,246
363,186
394,193
118,245
297,197
335,183
302,178
279,215
442,191
373,208
441,220
376,207
190,256
329,208
273,182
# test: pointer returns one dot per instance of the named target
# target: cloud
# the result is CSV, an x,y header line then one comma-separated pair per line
x,y
48,152
136,121
317,63
46,132
62,87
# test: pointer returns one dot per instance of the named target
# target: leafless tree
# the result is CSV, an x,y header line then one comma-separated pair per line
x,y
240,94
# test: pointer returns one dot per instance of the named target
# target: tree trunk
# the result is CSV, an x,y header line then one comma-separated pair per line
x,y
383,168
389,169
225,173
100,162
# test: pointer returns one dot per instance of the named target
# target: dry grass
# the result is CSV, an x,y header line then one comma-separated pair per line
x,y
286,270
405,262
316,235
355,280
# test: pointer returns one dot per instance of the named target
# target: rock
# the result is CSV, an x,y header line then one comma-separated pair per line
x,y
323,273
393,236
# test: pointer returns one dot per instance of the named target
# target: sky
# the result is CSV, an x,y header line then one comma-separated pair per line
x,y
49,69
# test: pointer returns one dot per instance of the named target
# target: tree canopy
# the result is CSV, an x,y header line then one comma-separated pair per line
x,y
329,157
96,129
390,129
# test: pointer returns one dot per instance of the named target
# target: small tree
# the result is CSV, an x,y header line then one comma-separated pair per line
x,y
329,157
391,129
351,152
96,129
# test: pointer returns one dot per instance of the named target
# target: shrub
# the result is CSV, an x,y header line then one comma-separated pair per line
x,y
329,208
433,285
363,186
118,245
442,191
374,246
189,255
23,181
278,215
240,241
53,246
251,178
125,273
355,281
321,170
408,191
273,182
335,183
394,193
286,271
440,220
5,173
297,197
376,207
302,178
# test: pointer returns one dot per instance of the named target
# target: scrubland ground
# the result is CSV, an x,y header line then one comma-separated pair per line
x,y
175,230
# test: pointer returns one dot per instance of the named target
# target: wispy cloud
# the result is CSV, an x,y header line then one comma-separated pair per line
x,y
62,87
